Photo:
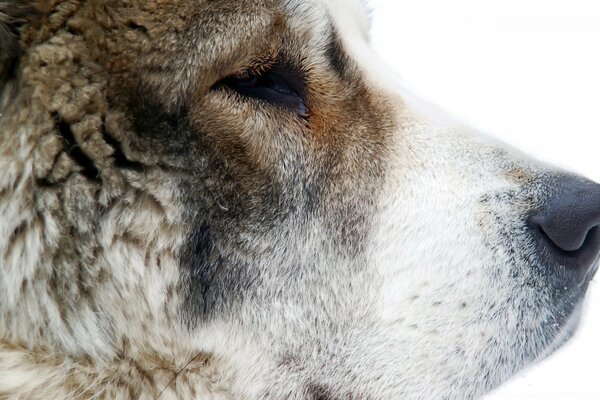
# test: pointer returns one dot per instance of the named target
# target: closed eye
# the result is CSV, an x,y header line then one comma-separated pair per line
x,y
277,86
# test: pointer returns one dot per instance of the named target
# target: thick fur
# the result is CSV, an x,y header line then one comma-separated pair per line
x,y
163,236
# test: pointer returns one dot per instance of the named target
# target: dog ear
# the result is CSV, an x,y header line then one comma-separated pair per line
x,y
13,14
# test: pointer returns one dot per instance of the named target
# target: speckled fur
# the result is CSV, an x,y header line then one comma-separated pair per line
x,y
161,237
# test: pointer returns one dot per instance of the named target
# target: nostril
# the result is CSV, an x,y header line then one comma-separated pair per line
x,y
566,231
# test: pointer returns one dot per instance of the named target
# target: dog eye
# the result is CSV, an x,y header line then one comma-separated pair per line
x,y
277,86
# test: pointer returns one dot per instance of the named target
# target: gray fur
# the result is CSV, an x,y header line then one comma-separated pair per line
x,y
164,236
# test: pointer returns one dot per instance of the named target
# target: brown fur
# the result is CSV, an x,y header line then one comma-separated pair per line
x,y
109,111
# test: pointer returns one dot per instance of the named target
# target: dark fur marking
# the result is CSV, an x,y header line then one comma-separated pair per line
x,y
88,169
16,237
318,392
204,264
161,131
152,119
336,56
207,276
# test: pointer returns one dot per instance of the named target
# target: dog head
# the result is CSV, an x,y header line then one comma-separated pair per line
x,y
240,180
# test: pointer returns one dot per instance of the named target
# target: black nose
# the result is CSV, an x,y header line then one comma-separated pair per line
x,y
570,223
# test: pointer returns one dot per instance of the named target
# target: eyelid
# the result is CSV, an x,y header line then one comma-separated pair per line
x,y
258,67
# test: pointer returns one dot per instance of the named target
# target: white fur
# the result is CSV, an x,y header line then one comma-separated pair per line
x,y
436,315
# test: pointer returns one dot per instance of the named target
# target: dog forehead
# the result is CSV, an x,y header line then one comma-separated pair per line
x,y
351,17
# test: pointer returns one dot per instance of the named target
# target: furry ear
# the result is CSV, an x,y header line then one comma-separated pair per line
x,y
13,14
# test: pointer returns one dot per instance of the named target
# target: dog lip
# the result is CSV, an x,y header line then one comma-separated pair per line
x,y
565,332
591,273
579,266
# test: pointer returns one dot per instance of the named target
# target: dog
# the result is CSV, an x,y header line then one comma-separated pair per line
x,y
218,199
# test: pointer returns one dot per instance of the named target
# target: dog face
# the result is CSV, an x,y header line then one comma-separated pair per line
x,y
232,193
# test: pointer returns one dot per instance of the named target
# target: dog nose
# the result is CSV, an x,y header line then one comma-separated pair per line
x,y
570,222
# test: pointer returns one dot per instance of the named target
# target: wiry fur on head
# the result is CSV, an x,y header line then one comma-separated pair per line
x,y
167,232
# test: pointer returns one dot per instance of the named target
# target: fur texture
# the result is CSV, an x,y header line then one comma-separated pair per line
x,y
164,234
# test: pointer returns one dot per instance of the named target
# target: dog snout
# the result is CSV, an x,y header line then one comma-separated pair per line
x,y
569,225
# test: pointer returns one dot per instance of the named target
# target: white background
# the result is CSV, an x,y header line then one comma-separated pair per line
x,y
527,71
